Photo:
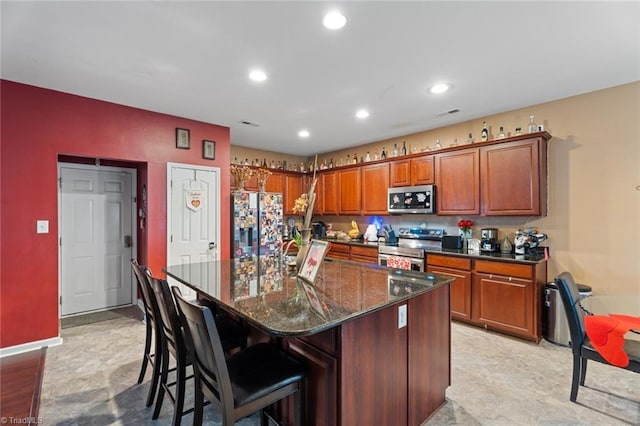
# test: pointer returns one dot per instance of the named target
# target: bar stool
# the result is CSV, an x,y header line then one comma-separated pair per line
x,y
151,324
173,345
248,381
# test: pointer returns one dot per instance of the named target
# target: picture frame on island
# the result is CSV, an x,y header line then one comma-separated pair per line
x,y
313,260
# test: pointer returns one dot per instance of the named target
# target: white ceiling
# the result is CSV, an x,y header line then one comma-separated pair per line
x,y
191,59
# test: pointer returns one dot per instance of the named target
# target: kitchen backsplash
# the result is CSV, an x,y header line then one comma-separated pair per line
x,y
506,225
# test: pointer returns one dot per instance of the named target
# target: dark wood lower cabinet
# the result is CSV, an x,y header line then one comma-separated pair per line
x,y
370,372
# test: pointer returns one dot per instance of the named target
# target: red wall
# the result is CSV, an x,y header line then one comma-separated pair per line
x,y
37,126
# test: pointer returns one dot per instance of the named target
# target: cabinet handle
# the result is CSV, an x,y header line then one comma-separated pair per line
x,y
509,279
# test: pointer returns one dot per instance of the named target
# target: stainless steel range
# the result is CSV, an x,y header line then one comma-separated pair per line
x,y
410,248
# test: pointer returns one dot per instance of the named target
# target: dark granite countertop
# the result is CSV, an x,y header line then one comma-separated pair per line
x,y
280,304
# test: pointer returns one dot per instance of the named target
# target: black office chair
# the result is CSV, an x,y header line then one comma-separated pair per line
x,y
248,381
580,345
142,277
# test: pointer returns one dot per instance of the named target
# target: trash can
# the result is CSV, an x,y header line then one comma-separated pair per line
x,y
555,328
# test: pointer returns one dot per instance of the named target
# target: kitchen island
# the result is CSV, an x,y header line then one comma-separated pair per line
x,y
376,340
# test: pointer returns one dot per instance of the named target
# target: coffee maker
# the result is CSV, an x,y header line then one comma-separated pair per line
x,y
489,240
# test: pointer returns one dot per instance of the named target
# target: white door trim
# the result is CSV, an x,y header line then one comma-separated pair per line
x,y
134,218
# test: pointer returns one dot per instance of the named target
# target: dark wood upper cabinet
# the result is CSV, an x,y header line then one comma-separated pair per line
x,y
400,173
410,172
349,184
375,179
330,193
293,189
422,170
511,180
458,182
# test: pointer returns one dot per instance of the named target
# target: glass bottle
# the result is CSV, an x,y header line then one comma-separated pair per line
x,y
501,135
438,146
376,156
341,161
348,158
331,163
354,159
273,164
368,157
264,162
395,150
470,138
484,135
532,125
246,161
384,153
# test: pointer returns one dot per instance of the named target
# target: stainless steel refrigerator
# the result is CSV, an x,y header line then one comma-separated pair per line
x,y
257,242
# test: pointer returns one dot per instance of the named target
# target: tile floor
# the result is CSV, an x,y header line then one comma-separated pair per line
x,y
496,380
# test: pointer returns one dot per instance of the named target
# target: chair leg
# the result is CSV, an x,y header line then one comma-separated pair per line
x,y
297,401
163,382
145,358
583,372
199,403
157,365
577,367
263,418
181,375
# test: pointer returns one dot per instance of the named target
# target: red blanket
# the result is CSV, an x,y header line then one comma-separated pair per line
x,y
606,334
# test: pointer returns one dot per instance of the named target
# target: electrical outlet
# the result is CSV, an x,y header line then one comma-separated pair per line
x,y
402,316
42,227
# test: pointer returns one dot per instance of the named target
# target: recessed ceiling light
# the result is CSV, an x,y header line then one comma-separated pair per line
x,y
334,20
304,133
362,113
439,88
257,75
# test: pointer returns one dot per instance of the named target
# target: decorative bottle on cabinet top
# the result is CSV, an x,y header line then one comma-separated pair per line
x,y
484,135
532,125
501,135
404,148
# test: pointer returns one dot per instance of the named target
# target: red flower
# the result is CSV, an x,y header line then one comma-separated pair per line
x,y
465,224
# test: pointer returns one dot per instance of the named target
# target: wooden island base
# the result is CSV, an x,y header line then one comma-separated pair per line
x,y
369,371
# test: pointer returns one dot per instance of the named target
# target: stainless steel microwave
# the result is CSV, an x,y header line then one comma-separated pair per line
x,y
412,199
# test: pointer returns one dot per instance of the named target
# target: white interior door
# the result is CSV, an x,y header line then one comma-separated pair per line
x,y
96,237
193,216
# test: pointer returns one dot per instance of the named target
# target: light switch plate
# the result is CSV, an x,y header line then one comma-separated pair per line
x,y
42,227
402,316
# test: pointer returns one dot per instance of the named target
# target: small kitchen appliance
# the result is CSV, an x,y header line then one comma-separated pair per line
x,y
489,240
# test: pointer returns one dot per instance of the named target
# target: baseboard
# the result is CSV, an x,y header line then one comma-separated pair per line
x,y
26,347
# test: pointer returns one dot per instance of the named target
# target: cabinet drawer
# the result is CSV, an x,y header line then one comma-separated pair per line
x,y
449,262
335,248
364,251
506,269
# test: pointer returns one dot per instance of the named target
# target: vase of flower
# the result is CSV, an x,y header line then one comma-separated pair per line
x,y
466,233
303,247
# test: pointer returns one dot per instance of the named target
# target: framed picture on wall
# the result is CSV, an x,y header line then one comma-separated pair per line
x,y
182,138
209,150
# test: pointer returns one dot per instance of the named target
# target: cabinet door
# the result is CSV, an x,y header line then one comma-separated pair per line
x,y
458,182
330,199
460,291
322,384
422,171
400,173
293,189
275,183
510,179
349,191
319,206
375,181
504,303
